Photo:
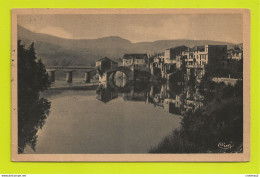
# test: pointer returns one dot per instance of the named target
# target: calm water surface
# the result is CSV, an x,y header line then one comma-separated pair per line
x,y
105,121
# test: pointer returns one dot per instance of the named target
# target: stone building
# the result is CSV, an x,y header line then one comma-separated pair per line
x,y
138,60
106,64
200,56
103,65
207,54
235,54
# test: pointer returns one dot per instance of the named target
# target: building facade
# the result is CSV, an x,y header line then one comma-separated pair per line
x,y
103,65
138,60
203,55
235,54
169,60
106,64
198,57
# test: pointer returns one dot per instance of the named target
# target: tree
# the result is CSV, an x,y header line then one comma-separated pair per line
x,y
32,110
32,75
202,130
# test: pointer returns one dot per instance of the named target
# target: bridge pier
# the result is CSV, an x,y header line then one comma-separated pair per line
x,y
132,93
104,77
69,76
151,91
87,76
51,75
152,71
133,72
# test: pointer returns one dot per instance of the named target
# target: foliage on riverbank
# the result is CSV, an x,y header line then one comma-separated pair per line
x,y
32,110
217,127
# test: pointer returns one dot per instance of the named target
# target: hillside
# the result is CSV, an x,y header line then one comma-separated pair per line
x,y
58,51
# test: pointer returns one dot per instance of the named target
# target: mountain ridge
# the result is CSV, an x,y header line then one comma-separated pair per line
x,y
54,50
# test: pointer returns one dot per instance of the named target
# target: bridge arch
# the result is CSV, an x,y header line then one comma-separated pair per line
x,y
131,74
110,74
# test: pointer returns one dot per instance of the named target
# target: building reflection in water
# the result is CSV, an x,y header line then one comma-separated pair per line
x,y
173,99
204,125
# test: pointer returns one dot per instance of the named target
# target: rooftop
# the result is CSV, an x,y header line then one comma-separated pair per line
x,y
105,58
198,48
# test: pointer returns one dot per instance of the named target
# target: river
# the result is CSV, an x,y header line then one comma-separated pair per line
x,y
109,119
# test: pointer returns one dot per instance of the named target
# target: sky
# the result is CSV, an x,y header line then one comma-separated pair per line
x,y
138,27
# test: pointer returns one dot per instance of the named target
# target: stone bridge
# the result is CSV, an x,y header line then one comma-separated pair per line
x,y
69,70
131,73
105,74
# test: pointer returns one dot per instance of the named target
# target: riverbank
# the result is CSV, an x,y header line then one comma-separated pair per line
x,y
216,127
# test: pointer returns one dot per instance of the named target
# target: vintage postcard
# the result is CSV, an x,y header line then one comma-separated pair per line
x,y
131,85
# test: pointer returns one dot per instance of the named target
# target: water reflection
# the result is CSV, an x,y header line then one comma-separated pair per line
x,y
104,94
32,114
212,122
174,99
136,117
212,116
80,123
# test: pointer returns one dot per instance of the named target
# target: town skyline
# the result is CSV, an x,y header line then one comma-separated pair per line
x,y
139,28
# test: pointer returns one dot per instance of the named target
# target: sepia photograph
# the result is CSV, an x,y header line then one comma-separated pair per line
x,y
130,85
